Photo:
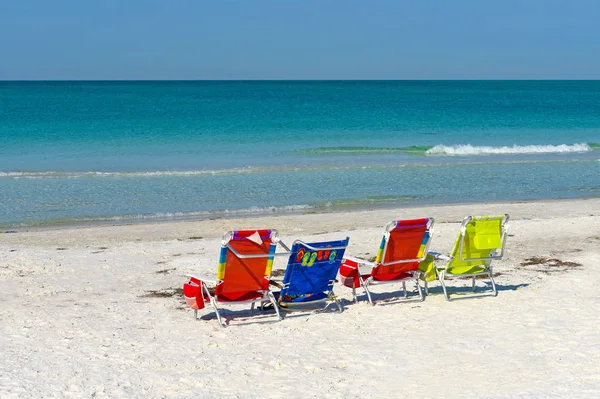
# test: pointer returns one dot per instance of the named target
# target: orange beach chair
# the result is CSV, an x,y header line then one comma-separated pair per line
x,y
245,265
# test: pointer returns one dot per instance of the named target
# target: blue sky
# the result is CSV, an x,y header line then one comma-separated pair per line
x,y
309,39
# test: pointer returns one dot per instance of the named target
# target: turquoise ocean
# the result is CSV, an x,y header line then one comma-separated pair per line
x,y
141,151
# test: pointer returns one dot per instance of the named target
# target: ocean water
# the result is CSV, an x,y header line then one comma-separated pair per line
x,y
131,151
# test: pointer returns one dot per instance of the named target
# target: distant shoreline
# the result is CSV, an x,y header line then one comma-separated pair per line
x,y
67,225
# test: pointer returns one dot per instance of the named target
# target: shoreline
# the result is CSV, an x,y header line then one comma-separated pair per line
x,y
43,226
305,224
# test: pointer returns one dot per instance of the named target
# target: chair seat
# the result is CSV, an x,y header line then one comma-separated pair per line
x,y
462,270
303,298
389,277
239,296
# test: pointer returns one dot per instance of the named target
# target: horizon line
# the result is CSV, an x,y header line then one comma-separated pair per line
x,y
301,80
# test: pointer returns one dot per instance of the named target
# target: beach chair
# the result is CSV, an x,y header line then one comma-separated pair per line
x,y
311,273
480,241
243,274
403,247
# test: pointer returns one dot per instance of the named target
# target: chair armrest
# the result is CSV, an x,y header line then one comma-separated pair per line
x,y
350,271
202,278
356,262
276,283
439,256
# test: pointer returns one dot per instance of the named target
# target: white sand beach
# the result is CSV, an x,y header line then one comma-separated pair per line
x,y
96,311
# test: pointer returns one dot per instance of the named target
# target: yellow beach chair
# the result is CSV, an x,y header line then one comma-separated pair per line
x,y
480,241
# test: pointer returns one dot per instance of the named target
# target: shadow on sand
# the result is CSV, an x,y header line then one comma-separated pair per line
x,y
267,315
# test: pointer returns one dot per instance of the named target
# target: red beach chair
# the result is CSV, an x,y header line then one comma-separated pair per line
x,y
403,247
243,275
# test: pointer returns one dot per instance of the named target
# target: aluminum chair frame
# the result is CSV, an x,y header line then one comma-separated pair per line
x,y
416,274
330,297
267,294
498,253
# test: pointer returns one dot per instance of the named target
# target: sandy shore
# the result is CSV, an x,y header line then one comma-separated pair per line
x,y
96,312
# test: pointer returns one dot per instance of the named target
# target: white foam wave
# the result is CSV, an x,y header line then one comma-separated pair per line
x,y
254,210
468,149
190,173
75,175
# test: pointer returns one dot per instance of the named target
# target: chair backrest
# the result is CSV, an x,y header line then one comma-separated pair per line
x,y
245,262
403,246
312,268
481,240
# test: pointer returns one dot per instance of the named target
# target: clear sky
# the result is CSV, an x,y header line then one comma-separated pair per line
x,y
302,39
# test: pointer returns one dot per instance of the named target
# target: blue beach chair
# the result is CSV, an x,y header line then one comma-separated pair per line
x,y
310,274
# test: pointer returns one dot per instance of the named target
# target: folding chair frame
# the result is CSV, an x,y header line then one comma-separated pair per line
x,y
415,274
330,297
442,273
267,294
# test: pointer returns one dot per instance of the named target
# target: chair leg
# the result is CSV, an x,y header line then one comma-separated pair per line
x,y
339,305
444,287
473,284
275,306
404,288
214,305
495,291
196,314
354,294
368,294
419,290
426,288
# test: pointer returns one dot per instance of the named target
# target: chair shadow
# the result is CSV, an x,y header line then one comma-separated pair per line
x,y
480,292
308,309
387,298
267,315
243,316
512,287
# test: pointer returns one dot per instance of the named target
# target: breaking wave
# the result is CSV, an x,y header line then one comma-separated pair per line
x,y
468,149
459,149
425,151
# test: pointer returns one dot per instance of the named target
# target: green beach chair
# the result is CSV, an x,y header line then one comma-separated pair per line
x,y
480,241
